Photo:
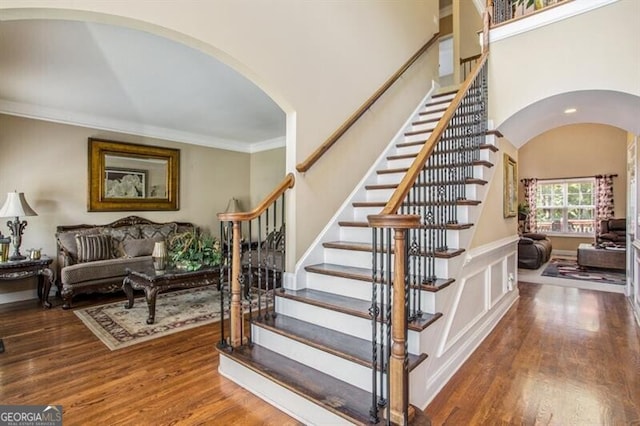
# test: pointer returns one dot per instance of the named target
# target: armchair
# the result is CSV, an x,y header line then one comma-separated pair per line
x,y
533,250
612,231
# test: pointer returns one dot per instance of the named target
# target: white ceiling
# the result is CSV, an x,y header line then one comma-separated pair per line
x,y
129,81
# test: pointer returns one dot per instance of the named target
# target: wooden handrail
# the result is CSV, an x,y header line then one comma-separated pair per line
x,y
287,183
331,140
410,177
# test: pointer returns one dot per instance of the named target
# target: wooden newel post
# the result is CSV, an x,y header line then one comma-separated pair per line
x,y
235,314
398,373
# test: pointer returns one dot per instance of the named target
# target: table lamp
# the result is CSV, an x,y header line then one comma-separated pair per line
x,y
16,206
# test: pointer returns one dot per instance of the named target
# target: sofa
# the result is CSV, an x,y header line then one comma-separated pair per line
x,y
533,250
94,258
612,232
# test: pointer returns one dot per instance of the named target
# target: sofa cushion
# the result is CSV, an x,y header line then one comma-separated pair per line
x,y
90,248
119,235
68,240
101,269
139,246
534,236
154,231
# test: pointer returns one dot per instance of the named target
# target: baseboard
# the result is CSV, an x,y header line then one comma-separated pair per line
x,y
19,296
572,253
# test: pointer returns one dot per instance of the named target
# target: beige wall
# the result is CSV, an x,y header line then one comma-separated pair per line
x,y
610,34
578,150
268,168
48,162
470,24
492,225
318,77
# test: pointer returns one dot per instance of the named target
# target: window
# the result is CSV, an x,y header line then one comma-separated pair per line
x,y
566,207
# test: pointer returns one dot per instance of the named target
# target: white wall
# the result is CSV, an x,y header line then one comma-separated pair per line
x,y
597,50
318,60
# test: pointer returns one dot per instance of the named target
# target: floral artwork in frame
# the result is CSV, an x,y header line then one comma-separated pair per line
x,y
125,183
510,202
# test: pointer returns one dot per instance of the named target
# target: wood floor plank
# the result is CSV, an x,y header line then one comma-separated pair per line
x,y
560,356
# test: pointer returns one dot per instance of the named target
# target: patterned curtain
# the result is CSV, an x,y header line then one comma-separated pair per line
x,y
530,189
604,199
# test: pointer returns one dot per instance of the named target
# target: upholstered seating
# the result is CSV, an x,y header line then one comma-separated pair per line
x,y
533,250
94,258
613,231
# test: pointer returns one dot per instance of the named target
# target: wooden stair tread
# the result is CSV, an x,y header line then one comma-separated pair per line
x,y
470,181
437,102
347,305
359,246
413,155
341,398
450,226
340,344
442,166
365,274
424,203
453,91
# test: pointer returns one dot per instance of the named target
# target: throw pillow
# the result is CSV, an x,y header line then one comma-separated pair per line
x,y
93,247
67,240
154,231
119,235
139,247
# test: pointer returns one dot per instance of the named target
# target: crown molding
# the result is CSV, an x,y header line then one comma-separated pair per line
x,y
55,115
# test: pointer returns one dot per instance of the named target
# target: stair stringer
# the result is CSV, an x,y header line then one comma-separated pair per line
x,y
331,232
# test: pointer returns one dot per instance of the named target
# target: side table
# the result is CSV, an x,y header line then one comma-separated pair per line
x,y
19,269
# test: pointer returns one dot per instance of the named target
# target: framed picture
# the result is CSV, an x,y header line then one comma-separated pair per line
x,y
125,183
510,188
132,177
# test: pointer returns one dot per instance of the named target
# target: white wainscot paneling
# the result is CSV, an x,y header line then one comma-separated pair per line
x,y
497,281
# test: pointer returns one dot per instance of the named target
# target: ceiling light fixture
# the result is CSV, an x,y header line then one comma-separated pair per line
x,y
570,110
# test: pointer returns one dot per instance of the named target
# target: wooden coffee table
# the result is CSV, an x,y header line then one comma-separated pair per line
x,y
593,257
154,282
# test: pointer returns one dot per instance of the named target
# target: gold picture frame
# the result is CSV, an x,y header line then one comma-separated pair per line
x,y
510,201
132,177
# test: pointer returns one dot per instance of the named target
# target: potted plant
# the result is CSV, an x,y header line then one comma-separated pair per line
x,y
193,249
523,211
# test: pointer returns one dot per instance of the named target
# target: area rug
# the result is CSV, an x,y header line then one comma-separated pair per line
x,y
176,311
568,268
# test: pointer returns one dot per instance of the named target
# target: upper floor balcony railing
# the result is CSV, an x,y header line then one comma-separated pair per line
x,y
506,10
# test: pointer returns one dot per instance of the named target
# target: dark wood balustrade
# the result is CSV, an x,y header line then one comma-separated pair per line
x,y
269,217
335,136
412,228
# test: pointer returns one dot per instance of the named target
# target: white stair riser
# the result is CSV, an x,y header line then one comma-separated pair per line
x,y
419,126
290,402
348,324
337,285
363,259
385,194
430,115
411,149
420,137
400,162
344,323
455,238
347,371
360,213
437,106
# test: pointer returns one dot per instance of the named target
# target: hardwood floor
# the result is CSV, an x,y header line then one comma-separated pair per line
x,y
560,356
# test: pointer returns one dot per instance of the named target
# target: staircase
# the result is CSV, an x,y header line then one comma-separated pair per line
x,y
312,358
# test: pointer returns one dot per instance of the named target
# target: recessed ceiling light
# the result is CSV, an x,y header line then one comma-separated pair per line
x,y
570,110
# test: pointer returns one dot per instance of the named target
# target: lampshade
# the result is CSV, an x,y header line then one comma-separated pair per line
x,y
16,206
233,206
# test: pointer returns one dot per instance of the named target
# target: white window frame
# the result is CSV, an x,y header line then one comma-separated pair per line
x,y
565,207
